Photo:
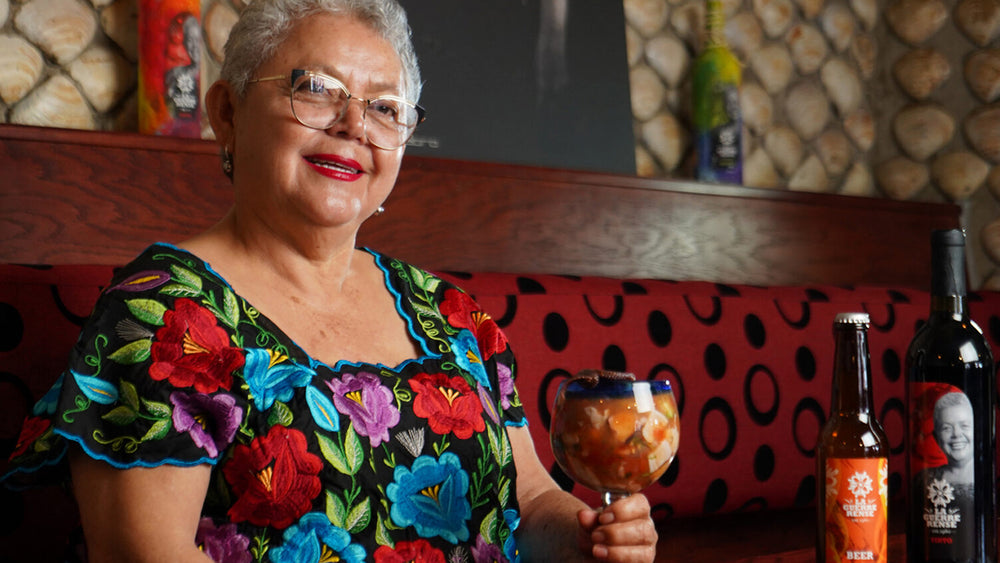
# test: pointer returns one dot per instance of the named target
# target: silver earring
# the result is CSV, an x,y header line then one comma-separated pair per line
x,y
379,211
227,162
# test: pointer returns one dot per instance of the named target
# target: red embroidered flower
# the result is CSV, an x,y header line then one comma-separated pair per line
x,y
274,479
191,349
448,404
33,428
462,312
417,551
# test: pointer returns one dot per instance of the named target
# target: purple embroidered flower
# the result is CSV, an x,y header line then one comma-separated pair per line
x,y
488,405
370,405
142,281
223,544
211,420
506,384
485,552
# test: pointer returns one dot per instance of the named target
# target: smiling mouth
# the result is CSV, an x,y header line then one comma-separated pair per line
x,y
334,166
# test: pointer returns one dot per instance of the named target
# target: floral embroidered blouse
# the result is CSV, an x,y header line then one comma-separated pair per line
x,y
311,462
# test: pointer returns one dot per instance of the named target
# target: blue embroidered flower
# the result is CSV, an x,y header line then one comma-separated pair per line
x,y
96,389
510,550
431,497
466,349
324,412
314,539
273,377
47,404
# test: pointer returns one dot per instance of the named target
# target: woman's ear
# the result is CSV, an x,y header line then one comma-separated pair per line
x,y
220,103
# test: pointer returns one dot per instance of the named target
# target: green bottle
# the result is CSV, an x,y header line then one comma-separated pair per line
x,y
718,125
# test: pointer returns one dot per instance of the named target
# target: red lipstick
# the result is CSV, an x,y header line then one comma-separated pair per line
x,y
336,167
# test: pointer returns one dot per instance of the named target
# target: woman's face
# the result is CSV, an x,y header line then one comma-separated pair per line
x,y
293,177
953,431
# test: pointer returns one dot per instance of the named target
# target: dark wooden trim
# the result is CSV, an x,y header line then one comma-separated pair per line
x,y
92,197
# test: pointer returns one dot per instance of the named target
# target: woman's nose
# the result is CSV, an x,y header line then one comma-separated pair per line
x,y
352,123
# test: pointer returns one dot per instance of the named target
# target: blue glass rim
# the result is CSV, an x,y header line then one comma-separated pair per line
x,y
578,387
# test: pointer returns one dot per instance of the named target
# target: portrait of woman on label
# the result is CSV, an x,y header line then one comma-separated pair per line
x,y
268,391
948,494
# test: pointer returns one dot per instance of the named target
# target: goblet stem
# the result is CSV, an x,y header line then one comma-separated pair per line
x,y
610,496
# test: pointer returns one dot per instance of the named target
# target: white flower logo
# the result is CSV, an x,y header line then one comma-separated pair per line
x,y
940,493
860,484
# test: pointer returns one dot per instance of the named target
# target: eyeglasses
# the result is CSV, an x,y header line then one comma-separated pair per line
x,y
320,101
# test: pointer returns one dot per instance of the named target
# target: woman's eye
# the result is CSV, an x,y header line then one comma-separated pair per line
x,y
386,108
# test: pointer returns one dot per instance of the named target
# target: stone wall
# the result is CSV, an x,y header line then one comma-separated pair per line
x,y
875,98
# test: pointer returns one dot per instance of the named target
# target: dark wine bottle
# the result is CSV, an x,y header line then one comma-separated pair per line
x,y
951,440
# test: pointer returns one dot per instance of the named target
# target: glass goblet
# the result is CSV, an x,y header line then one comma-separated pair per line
x,y
613,434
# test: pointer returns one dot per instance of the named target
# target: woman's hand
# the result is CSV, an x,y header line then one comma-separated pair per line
x,y
621,532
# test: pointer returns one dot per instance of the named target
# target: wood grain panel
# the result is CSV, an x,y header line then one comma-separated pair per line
x,y
88,197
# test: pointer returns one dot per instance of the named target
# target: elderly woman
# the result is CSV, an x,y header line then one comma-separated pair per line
x,y
268,392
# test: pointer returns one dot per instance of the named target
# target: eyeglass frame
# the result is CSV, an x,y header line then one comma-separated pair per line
x,y
298,73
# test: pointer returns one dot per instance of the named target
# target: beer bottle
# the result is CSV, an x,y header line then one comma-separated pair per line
x,y
951,438
852,456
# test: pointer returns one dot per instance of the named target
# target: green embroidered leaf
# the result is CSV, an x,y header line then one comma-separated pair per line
x,y
508,455
424,280
159,410
230,308
147,310
280,414
352,449
158,430
132,353
425,311
359,517
504,491
495,445
128,395
487,526
332,453
382,533
121,415
186,277
179,290
335,510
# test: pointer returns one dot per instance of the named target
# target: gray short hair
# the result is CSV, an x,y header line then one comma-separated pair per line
x,y
264,24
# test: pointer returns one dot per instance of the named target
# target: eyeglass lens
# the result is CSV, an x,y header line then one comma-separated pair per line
x,y
320,102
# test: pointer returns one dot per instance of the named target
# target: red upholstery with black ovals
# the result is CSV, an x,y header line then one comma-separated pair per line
x,y
751,367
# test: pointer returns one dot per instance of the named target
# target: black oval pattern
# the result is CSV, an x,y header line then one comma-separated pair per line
x,y
806,406
11,327
715,496
555,331
754,330
660,330
806,493
891,365
805,363
529,286
715,361
718,404
614,359
709,319
763,463
805,313
616,314
759,416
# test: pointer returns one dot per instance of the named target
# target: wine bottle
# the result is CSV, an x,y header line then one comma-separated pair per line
x,y
718,123
951,439
852,456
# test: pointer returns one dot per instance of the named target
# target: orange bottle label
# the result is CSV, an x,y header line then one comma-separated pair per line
x,y
857,498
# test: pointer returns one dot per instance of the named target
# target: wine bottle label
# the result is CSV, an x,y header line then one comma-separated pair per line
x,y
857,497
942,465
719,147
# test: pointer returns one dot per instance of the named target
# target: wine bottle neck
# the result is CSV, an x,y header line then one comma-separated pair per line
x,y
851,374
715,24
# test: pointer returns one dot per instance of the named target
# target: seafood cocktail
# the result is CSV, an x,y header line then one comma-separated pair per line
x,y
613,434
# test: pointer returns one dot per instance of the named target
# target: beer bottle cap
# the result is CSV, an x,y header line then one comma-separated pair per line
x,y
851,319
